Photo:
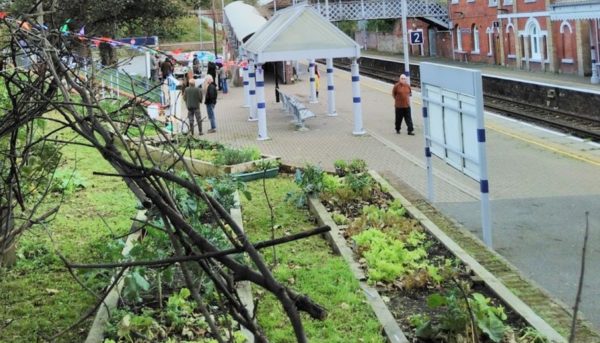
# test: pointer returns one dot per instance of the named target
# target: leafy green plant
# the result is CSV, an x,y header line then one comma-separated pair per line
x,y
339,218
263,165
387,258
360,184
222,188
67,181
341,167
531,335
357,166
310,181
457,315
331,183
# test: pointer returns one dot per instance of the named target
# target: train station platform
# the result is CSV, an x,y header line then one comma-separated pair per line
x,y
541,182
562,80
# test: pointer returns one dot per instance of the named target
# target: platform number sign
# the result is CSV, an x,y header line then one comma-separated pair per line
x,y
416,37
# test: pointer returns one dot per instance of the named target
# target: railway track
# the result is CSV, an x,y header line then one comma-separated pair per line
x,y
581,125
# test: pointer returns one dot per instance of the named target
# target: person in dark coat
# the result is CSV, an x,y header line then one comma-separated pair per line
x,y
167,68
193,98
211,69
210,100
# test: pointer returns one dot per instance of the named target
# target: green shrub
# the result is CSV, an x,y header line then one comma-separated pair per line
x,y
229,156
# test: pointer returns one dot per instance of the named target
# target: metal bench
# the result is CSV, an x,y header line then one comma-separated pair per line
x,y
292,105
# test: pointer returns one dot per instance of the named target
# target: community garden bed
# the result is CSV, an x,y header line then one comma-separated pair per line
x,y
160,309
203,157
435,291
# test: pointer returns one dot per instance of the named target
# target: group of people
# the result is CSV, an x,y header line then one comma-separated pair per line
x,y
194,95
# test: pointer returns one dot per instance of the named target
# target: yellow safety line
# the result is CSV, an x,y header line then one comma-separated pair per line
x,y
545,146
519,137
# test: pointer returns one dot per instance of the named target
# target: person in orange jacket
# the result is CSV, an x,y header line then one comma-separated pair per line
x,y
402,93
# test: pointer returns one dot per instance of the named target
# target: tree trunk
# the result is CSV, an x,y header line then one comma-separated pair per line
x,y
8,255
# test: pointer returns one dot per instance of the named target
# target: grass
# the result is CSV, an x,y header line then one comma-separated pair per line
x,y
188,30
309,267
38,294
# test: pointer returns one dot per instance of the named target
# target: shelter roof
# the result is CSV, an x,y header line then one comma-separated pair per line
x,y
299,32
244,19
575,10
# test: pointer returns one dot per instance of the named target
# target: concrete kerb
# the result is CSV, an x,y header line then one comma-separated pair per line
x,y
339,246
96,333
243,288
491,281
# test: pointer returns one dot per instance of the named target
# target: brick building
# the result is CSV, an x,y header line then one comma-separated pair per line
x,y
521,34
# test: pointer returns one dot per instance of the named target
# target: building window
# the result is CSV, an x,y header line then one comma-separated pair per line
x,y
458,38
511,42
493,3
566,40
535,39
475,38
490,34
508,2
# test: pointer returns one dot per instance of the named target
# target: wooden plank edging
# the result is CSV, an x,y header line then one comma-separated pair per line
x,y
96,333
491,281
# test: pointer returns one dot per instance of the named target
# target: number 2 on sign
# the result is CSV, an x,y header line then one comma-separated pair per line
x,y
416,37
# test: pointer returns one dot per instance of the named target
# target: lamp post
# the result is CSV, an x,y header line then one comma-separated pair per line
x,y
405,40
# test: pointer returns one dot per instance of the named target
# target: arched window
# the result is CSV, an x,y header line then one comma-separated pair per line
x,y
510,40
566,40
490,35
535,39
475,38
458,38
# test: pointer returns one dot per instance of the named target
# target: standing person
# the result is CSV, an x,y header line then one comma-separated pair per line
x,y
221,77
402,94
210,100
167,68
196,68
211,69
317,79
154,68
193,99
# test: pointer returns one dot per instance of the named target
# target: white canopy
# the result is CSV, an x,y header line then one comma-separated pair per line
x,y
575,10
244,19
299,32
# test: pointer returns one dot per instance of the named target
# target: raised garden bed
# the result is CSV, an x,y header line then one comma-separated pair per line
x,y
407,267
204,158
156,306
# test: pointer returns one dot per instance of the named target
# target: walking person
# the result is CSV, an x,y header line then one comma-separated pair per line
x,y
402,93
193,99
210,100
154,68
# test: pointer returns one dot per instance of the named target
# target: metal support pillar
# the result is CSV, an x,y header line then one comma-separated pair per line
x,y
260,103
405,40
246,83
252,91
313,89
356,102
330,89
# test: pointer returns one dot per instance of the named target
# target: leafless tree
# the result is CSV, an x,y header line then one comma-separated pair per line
x,y
41,78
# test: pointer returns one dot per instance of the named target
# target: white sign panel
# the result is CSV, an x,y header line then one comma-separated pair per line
x,y
454,130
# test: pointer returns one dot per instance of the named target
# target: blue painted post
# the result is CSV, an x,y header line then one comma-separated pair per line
x,y
246,87
330,89
357,106
486,225
313,89
252,91
260,103
427,135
